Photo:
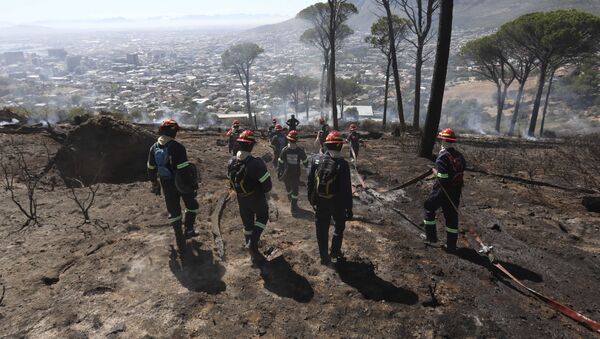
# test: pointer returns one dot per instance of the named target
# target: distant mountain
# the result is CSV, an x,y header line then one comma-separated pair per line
x,y
468,14
480,13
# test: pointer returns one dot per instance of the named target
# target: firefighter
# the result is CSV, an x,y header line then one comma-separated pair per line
x,y
251,180
293,123
169,168
278,142
271,131
330,192
354,140
323,132
232,135
450,166
290,159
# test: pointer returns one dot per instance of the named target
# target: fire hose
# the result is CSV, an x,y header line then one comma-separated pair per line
x,y
569,312
565,310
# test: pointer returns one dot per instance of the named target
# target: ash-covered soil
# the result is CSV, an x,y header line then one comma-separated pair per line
x,y
119,275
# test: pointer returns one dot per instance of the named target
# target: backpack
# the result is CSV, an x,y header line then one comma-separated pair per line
x,y
326,177
458,168
162,159
237,173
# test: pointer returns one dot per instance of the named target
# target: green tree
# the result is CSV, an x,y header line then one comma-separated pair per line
x,y
555,38
379,39
347,88
239,59
420,16
434,110
491,62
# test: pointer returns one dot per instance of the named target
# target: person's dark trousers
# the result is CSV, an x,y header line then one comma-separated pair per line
x,y
438,199
292,183
254,212
172,200
326,210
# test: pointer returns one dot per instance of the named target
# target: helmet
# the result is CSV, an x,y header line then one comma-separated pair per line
x,y
322,120
447,134
169,125
334,138
274,121
247,136
292,136
236,123
353,127
278,127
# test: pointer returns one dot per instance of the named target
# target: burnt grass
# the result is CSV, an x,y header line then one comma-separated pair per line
x,y
64,279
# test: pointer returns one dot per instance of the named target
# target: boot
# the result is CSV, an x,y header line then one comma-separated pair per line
x,y
431,233
294,206
258,260
451,242
190,218
336,246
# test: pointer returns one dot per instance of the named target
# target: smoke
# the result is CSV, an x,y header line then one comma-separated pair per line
x,y
11,122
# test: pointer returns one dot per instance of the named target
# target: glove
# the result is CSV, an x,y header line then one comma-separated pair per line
x,y
155,188
349,214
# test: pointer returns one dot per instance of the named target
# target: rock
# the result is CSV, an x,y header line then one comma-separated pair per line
x,y
591,203
120,327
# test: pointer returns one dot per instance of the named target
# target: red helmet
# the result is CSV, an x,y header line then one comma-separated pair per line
x,y
169,125
247,136
292,136
334,138
447,134
236,123
353,127
278,127
322,120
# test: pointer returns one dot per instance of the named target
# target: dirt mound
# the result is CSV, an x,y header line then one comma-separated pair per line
x,y
105,150
10,117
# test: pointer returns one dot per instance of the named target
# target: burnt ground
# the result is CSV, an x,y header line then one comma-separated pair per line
x,y
119,275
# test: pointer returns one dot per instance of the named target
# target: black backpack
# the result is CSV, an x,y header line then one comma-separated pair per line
x,y
237,173
326,177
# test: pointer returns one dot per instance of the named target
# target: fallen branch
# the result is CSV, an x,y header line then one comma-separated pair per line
x,y
532,182
216,223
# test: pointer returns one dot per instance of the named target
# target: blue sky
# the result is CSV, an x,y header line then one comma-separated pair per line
x,y
31,11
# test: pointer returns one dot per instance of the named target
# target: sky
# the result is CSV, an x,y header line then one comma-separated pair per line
x,y
20,12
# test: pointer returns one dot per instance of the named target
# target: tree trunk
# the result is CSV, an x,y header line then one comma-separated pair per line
x,y
249,109
515,117
502,103
546,103
307,102
322,87
417,104
328,76
388,10
498,105
538,99
385,96
436,99
331,70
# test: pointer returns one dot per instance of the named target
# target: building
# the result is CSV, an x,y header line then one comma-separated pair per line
x,y
57,53
133,59
73,63
13,57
